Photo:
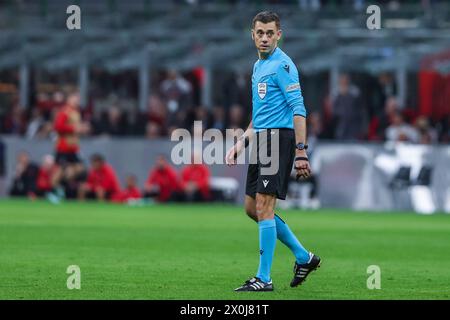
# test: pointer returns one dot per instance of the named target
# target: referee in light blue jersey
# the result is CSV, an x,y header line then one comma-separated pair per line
x,y
279,115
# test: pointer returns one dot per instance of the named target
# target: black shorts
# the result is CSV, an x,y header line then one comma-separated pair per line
x,y
276,182
66,158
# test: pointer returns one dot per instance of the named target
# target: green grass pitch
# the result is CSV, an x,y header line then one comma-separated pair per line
x,y
205,251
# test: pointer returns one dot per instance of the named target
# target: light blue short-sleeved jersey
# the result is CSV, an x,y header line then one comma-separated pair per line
x,y
276,92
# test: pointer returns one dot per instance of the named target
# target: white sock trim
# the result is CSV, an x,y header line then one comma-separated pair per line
x,y
310,257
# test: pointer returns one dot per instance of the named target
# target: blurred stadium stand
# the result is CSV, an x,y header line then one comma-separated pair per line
x,y
141,36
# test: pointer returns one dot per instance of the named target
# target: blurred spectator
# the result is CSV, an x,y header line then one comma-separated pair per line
x,y
152,130
178,120
388,85
176,91
399,130
135,123
342,118
24,183
72,178
131,191
315,129
47,105
445,129
195,181
156,110
162,182
348,111
378,124
43,102
326,114
2,158
111,123
47,176
102,182
218,121
157,118
14,122
58,99
384,89
393,5
38,127
202,114
237,119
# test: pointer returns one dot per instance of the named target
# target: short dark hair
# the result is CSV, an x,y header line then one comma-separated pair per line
x,y
266,17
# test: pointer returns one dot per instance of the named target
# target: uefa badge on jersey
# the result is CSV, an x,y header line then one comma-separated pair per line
x,y
262,89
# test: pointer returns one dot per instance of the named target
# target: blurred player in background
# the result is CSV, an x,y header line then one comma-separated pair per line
x,y
278,115
68,126
195,180
47,176
24,183
131,191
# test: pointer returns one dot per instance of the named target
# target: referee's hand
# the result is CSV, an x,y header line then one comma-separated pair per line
x,y
233,153
302,166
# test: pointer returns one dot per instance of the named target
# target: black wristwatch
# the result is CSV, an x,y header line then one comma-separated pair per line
x,y
301,146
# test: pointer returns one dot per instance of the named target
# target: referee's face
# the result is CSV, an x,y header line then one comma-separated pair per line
x,y
266,36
